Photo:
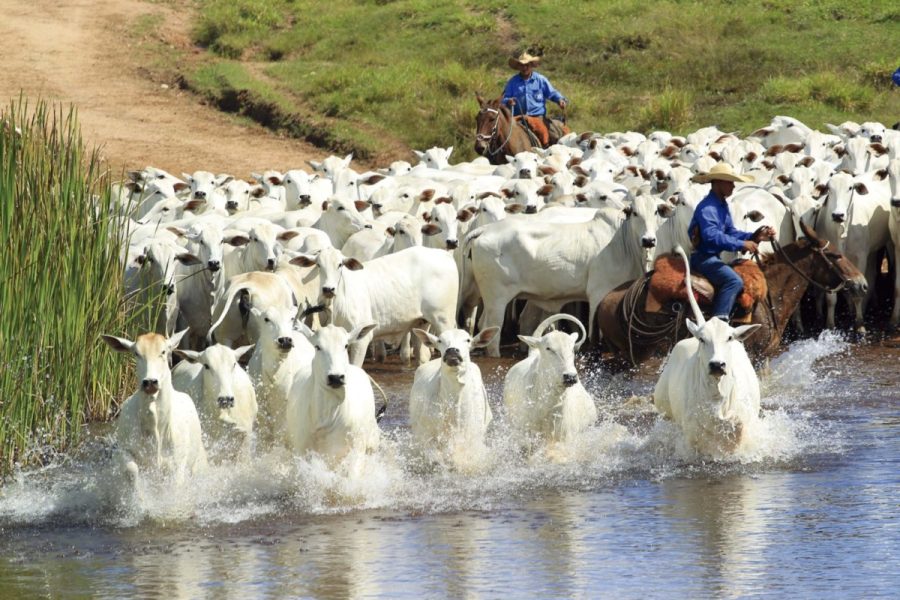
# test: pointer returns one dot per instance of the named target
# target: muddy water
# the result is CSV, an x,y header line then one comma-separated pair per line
x,y
812,510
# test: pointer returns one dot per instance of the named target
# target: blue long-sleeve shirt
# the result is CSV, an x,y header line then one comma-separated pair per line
x,y
717,230
530,94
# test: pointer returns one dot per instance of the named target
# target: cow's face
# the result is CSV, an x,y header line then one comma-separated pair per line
x,y
332,360
332,265
275,325
454,345
842,187
159,263
646,214
153,353
719,349
557,350
219,365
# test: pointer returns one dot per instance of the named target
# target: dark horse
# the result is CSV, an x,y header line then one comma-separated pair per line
x,y
498,134
637,335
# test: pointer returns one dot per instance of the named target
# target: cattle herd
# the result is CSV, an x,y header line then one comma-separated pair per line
x,y
273,291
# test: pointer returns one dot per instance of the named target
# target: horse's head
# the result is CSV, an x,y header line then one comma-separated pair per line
x,y
831,270
491,116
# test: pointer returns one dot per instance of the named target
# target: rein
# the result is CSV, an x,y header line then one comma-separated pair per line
x,y
821,252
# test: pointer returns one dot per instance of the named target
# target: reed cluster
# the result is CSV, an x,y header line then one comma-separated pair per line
x,y
60,283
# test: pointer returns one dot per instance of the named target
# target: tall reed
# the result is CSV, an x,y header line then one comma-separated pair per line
x,y
60,283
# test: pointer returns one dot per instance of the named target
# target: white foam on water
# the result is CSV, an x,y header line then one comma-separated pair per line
x,y
629,441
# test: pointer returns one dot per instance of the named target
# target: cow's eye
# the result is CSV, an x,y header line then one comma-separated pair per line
x,y
340,208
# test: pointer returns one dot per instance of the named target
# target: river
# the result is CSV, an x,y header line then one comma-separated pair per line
x,y
813,510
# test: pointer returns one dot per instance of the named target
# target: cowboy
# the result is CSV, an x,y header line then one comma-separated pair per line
x,y
527,92
712,231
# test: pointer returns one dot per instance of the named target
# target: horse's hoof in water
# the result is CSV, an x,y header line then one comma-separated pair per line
x,y
858,335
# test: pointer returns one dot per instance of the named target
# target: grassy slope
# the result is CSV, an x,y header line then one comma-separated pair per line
x,y
380,77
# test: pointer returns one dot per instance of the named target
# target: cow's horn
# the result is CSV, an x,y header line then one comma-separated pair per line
x,y
698,316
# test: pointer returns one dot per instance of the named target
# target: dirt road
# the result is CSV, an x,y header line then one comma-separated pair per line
x,y
82,52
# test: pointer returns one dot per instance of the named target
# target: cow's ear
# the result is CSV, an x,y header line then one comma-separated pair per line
x,y
484,337
361,331
665,210
430,229
188,259
239,352
303,261
861,189
744,331
693,327
514,208
430,340
360,205
176,338
352,264
117,343
189,355
532,342
236,240
287,235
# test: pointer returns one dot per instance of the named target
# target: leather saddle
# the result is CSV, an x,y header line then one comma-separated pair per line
x,y
667,285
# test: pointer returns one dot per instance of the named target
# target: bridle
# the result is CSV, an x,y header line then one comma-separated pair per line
x,y
821,252
487,139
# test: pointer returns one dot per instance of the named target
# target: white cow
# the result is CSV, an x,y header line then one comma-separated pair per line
x,y
855,219
893,174
553,264
224,397
398,291
542,393
332,411
281,356
155,272
448,406
708,386
341,218
157,427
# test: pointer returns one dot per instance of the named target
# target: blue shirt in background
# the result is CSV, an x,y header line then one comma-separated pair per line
x,y
530,94
717,230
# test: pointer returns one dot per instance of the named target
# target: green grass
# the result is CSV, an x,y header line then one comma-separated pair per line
x,y
61,284
384,75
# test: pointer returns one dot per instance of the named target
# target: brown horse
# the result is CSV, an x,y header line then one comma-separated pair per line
x,y
498,134
637,335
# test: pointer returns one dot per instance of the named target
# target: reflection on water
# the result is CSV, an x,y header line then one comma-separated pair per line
x,y
812,511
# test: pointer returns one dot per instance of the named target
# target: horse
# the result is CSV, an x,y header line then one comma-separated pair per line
x,y
498,134
637,334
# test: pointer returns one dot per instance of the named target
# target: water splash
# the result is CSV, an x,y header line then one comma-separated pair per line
x,y
630,441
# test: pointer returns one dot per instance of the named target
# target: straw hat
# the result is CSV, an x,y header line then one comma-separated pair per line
x,y
723,172
524,59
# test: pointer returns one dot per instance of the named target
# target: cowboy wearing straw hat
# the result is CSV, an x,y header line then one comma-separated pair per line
x,y
527,92
712,231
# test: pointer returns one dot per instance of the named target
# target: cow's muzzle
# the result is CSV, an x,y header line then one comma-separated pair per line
x,y
150,386
570,379
328,292
286,342
648,242
336,381
452,244
452,357
225,401
838,217
530,209
716,368
213,265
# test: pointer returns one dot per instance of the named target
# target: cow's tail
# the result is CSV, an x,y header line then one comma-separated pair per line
x,y
232,294
539,330
698,316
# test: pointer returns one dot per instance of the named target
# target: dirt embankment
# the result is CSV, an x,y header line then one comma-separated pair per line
x,y
82,52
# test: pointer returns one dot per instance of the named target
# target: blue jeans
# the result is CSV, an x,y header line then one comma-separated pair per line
x,y
727,283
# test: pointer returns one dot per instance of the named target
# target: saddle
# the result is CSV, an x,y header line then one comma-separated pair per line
x,y
667,285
